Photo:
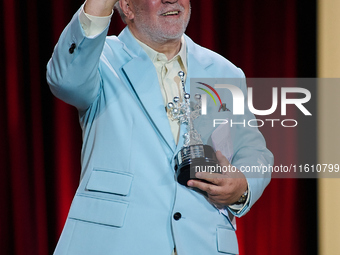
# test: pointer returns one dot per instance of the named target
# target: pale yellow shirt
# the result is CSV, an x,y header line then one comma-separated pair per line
x,y
169,81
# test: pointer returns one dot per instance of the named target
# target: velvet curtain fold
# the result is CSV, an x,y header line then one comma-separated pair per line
x,y
41,139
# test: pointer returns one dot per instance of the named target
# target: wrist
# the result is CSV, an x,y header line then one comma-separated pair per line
x,y
243,198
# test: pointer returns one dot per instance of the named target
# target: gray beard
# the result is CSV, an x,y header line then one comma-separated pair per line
x,y
156,31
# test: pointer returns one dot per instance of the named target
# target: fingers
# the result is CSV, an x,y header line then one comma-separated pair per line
x,y
215,194
222,160
222,189
232,171
214,178
100,8
211,189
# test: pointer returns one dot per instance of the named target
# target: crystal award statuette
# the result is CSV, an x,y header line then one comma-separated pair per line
x,y
194,153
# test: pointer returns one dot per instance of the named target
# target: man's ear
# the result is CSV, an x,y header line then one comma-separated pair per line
x,y
125,5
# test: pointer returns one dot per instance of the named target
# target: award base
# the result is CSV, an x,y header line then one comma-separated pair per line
x,y
191,159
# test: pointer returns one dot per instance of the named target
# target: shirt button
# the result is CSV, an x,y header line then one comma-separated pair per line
x,y
177,216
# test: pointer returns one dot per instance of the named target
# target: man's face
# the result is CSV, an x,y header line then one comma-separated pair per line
x,y
161,20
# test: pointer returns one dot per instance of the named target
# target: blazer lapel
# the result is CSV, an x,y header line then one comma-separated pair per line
x,y
142,76
197,68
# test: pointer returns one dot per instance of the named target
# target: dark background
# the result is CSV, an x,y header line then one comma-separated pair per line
x,y
41,139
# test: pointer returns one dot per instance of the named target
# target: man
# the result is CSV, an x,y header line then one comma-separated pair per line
x,y
128,201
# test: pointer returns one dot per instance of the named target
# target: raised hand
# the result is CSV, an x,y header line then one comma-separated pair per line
x,y
99,7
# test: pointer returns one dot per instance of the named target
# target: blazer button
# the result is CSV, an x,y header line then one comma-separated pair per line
x,y
71,49
177,216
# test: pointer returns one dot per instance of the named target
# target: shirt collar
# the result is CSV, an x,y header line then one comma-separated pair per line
x,y
157,56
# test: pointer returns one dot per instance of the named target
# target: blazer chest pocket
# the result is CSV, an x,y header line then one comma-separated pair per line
x,y
118,183
100,211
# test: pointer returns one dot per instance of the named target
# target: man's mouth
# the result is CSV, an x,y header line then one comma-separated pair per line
x,y
170,13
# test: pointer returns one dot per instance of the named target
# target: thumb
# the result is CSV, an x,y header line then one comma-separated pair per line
x,y
222,160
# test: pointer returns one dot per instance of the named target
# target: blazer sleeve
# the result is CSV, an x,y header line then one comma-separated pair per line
x,y
72,72
251,153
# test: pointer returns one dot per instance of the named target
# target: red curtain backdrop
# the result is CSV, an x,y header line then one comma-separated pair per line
x,y
41,139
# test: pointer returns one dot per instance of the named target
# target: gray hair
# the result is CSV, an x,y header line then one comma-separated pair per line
x,y
120,11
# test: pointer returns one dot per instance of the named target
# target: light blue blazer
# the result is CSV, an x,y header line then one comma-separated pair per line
x,y
128,194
